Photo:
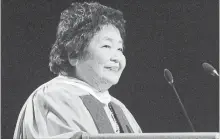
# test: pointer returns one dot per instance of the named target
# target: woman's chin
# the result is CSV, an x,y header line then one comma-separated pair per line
x,y
113,80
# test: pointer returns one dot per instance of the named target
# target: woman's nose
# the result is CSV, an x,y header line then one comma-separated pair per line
x,y
115,58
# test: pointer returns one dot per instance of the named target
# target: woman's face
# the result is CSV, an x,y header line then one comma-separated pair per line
x,y
103,60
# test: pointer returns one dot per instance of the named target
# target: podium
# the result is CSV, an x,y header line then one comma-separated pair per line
x,y
183,135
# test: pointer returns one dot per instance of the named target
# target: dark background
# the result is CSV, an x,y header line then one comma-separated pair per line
x,y
176,34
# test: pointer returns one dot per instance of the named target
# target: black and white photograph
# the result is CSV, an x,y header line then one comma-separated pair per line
x,y
110,69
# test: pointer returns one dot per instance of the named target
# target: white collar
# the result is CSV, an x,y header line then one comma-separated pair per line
x,y
104,97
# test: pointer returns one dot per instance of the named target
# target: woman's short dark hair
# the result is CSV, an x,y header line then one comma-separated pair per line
x,y
78,24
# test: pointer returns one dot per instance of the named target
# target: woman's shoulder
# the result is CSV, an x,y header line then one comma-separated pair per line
x,y
60,86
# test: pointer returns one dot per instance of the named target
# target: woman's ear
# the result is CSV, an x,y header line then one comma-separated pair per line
x,y
73,61
73,58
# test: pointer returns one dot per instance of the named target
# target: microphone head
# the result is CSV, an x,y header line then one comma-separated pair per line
x,y
209,69
168,76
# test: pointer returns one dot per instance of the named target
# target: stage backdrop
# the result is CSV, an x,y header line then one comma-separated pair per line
x,y
174,34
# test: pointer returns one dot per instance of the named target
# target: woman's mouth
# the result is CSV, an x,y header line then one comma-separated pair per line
x,y
113,68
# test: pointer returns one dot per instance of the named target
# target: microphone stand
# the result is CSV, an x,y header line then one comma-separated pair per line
x,y
183,108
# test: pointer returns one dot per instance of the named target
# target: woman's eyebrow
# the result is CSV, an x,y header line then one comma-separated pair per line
x,y
111,39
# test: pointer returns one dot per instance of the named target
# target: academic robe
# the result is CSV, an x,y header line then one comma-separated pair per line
x,y
64,108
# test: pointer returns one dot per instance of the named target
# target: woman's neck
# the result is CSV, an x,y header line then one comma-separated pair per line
x,y
97,84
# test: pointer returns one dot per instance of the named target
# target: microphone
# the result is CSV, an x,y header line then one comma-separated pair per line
x,y
210,69
168,76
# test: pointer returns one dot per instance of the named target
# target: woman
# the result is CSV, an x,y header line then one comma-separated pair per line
x,y
88,58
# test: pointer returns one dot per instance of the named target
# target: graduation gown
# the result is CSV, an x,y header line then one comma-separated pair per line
x,y
64,108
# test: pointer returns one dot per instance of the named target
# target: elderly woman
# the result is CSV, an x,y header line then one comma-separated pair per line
x,y
88,58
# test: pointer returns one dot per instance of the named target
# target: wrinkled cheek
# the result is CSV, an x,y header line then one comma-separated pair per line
x,y
96,68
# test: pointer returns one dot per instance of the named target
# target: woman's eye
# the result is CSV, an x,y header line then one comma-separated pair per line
x,y
120,49
106,46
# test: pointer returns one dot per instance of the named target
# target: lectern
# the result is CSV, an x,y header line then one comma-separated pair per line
x,y
183,135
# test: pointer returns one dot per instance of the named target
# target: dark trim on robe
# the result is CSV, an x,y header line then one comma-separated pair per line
x,y
123,121
100,118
